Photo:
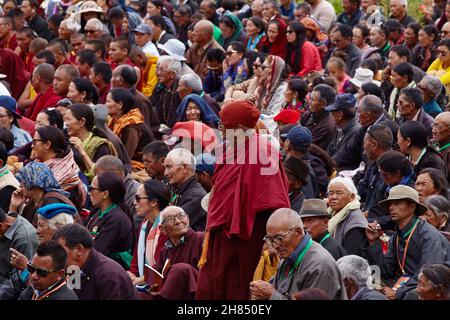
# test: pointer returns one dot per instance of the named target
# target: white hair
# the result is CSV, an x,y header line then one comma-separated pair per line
x,y
71,24
96,23
433,84
173,64
348,184
357,269
182,156
192,81
403,3
167,210
58,221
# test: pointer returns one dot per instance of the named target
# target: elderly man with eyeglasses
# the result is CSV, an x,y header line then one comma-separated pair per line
x,y
306,264
178,258
441,136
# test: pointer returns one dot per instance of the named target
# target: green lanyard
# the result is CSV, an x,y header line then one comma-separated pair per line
x,y
420,157
325,238
4,173
299,259
113,206
411,229
444,147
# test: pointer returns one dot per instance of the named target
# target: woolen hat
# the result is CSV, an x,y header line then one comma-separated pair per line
x,y
287,116
402,192
239,112
314,208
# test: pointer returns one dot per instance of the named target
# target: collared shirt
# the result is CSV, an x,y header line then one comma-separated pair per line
x,y
21,137
160,36
301,246
150,48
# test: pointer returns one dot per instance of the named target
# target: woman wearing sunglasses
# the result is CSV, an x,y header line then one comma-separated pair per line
x,y
233,65
110,222
151,198
441,66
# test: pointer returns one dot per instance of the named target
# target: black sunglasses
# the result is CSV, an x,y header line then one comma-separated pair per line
x,y
138,198
40,272
93,188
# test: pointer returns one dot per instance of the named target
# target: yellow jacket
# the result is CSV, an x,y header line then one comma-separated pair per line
x,y
437,70
149,79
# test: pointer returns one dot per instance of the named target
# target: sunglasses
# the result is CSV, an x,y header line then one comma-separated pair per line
x,y
94,188
40,272
229,53
289,31
139,198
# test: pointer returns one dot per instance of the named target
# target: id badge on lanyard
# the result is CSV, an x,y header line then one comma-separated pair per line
x,y
401,281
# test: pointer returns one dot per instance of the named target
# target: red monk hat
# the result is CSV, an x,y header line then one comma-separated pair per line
x,y
239,112
287,116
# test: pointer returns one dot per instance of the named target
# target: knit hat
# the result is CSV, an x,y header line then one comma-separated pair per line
x,y
239,113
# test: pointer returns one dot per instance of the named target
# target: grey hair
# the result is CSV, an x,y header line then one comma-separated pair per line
x,y
348,184
167,210
433,84
173,64
58,221
192,81
110,163
96,23
71,24
404,3
288,214
371,104
182,156
438,205
357,269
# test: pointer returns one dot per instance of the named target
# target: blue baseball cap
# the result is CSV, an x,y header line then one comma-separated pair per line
x,y
343,101
143,28
205,163
299,136
9,103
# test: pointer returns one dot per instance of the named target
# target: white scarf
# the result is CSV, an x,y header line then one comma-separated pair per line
x,y
341,215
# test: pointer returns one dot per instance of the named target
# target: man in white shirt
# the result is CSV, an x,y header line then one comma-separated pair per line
x,y
143,39
323,11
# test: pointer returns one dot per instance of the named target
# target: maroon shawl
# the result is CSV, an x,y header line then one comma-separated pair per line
x,y
16,75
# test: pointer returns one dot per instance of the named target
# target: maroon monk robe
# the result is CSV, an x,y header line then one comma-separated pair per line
x,y
180,280
243,197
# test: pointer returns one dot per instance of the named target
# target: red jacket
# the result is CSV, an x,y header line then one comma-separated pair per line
x,y
311,60
42,101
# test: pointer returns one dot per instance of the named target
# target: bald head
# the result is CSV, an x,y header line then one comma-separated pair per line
x,y
444,117
203,32
285,218
45,71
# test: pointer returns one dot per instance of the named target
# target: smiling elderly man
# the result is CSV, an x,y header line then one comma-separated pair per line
x,y
306,264
180,172
441,136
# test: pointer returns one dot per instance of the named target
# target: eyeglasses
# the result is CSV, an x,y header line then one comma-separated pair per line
x,y
94,188
138,198
439,127
279,238
40,272
229,53
4,115
171,219
289,31
36,140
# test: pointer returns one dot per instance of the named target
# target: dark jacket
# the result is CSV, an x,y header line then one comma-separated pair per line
x,y
311,188
353,20
188,196
64,293
149,112
431,159
296,199
332,246
423,118
104,279
353,59
322,127
372,190
338,149
38,24
165,37
426,246
166,101
368,294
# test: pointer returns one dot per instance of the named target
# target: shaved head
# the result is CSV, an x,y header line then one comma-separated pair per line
x,y
285,218
444,117
205,26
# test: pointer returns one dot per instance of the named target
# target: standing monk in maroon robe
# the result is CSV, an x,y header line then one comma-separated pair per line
x,y
248,185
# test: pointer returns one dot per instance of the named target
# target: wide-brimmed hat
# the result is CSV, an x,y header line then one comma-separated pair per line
x,y
174,48
90,6
314,208
402,192
362,76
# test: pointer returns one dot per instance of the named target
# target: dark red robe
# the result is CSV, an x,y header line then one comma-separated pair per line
x,y
244,195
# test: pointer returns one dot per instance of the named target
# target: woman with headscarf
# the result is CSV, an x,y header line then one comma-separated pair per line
x,y
232,29
38,188
271,87
13,68
151,198
194,108
276,42
110,222
302,55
